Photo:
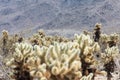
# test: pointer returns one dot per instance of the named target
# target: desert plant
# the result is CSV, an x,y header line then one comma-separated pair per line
x,y
45,57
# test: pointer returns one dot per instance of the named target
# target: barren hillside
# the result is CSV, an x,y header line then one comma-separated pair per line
x,y
27,16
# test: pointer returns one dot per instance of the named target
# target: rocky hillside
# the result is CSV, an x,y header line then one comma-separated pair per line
x,y
59,16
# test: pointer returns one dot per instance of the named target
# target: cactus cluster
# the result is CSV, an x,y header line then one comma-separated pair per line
x,y
44,57
88,48
112,37
109,54
60,59
63,60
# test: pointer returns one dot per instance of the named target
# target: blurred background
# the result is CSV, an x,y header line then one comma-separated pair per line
x,y
62,17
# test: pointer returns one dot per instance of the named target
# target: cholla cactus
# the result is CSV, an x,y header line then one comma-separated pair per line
x,y
97,32
5,42
41,33
38,71
109,40
28,59
34,60
5,34
35,63
22,51
110,53
88,49
63,59
83,40
114,37
113,51
108,59
59,58
40,39
89,77
104,38
86,45
8,42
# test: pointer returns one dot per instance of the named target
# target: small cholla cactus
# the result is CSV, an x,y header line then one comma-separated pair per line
x,y
114,39
41,33
5,36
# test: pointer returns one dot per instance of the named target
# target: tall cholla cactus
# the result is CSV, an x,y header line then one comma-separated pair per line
x,y
63,60
88,49
5,36
5,42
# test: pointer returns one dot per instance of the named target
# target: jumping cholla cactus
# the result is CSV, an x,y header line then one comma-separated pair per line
x,y
34,60
58,58
108,60
87,46
112,37
109,41
36,65
89,77
83,40
104,38
5,42
109,54
88,49
115,37
17,62
63,60
41,39
26,63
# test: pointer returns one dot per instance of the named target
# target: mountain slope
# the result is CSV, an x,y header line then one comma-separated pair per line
x,y
58,15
